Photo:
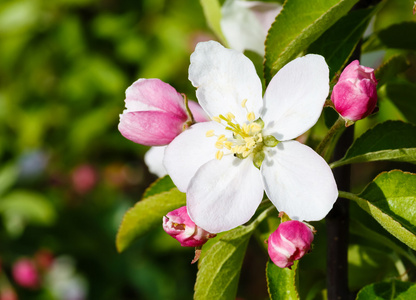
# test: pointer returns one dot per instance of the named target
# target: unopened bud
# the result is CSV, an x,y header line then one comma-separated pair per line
x,y
289,242
179,225
355,94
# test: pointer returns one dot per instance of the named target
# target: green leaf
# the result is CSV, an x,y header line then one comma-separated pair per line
x,y
402,94
161,185
148,213
397,36
391,68
212,12
338,42
388,290
281,283
360,229
220,267
297,26
391,140
390,199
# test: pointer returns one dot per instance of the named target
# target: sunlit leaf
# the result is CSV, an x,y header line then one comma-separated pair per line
x,y
219,269
159,199
391,140
297,26
282,282
212,12
390,199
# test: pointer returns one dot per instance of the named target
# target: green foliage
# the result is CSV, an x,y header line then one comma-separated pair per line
x,y
296,27
220,267
387,199
159,199
391,68
400,93
388,290
339,41
395,37
282,283
212,12
391,140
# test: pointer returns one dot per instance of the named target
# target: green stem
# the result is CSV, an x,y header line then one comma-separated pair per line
x,y
338,125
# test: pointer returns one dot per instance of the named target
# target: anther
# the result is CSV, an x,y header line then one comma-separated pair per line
x,y
209,133
219,155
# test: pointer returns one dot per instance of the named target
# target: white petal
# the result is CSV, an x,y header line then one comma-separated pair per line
x,y
154,160
190,150
298,181
295,97
245,23
241,28
224,194
224,78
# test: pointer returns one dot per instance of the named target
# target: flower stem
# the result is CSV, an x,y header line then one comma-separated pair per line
x,y
338,125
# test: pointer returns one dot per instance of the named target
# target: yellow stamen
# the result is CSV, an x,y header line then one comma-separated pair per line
x,y
230,116
222,138
216,119
219,145
251,117
228,145
255,127
209,133
219,155
243,104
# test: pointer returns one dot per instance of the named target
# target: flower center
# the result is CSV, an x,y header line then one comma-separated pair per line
x,y
247,139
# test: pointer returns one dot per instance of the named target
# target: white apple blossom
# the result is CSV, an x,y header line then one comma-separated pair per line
x,y
225,165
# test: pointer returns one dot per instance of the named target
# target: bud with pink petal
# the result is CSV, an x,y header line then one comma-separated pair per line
x,y
25,273
179,225
355,94
289,242
156,113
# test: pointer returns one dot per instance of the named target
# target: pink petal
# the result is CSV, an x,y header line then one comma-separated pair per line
x,y
150,128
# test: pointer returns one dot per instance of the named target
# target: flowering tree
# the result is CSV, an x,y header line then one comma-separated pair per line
x,y
277,164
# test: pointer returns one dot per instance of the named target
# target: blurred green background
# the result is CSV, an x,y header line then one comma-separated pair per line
x,y
67,175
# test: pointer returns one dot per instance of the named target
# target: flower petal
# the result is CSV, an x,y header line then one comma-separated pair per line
x,y
154,95
295,97
241,28
224,78
154,160
224,194
298,181
190,150
199,114
150,128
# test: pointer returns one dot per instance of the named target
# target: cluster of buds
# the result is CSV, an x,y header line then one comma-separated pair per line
x,y
290,242
355,94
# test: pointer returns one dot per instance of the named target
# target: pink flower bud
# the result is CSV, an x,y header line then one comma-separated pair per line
x,y
179,225
355,94
155,113
25,273
290,241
